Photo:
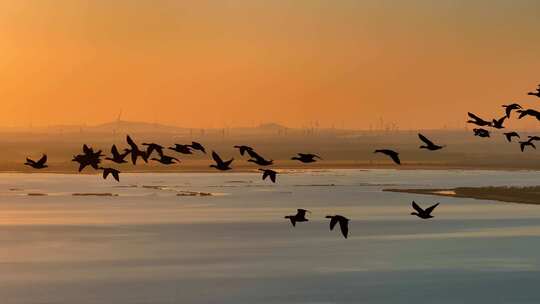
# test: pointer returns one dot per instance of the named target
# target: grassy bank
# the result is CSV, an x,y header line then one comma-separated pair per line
x,y
523,195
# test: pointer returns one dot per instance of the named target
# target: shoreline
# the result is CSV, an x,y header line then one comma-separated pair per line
x,y
517,195
247,168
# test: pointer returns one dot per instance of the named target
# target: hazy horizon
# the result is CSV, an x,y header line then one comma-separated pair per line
x,y
209,64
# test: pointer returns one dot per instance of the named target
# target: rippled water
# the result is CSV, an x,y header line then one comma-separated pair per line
x,y
155,240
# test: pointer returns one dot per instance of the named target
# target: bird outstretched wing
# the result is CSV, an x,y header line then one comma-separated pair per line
x,y
430,209
417,208
425,140
333,222
344,225
216,158
395,158
43,160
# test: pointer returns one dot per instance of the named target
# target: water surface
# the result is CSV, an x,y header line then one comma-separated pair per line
x,y
152,243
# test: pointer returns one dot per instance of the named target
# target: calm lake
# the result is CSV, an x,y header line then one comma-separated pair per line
x,y
154,242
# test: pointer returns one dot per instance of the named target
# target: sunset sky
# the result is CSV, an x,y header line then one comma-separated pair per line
x,y
347,63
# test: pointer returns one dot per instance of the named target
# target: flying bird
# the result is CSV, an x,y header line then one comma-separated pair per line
x,y
421,213
40,164
184,149
269,173
151,147
509,108
477,120
116,156
481,132
343,223
306,157
135,151
392,154
429,145
498,123
509,135
537,93
220,164
243,149
197,146
258,159
300,216
528,112
166,160
88,158
523,144
115,173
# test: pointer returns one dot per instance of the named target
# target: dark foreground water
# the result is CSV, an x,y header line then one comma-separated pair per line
x,y
153,244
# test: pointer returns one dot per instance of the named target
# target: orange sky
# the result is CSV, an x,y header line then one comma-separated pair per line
x,y
420,64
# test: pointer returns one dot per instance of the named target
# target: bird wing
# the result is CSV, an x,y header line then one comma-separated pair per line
x,y
272,176
300,212
216,158
265,174
30,161
43,160
254,155
522,145
131,142
471,115
395,158
333,222
116,175
417,208
114,151
293,221
344,225
430,209
425,140
106,173
227,163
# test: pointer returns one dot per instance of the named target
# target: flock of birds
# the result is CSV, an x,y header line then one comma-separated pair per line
x,y
499,123
93,159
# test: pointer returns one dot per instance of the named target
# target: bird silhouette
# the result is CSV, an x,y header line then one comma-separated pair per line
x,y
509,108
528,112
421,213
269,173
166,160
429,145
151,147
40,164
524,144
197,146
259,160
115,173
533,138
343,223
306,157
135,151
537,93
509,135
184,149
498,123
116,156
243,149
220,164
300,216
481,132
477,120
392,154
88,158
